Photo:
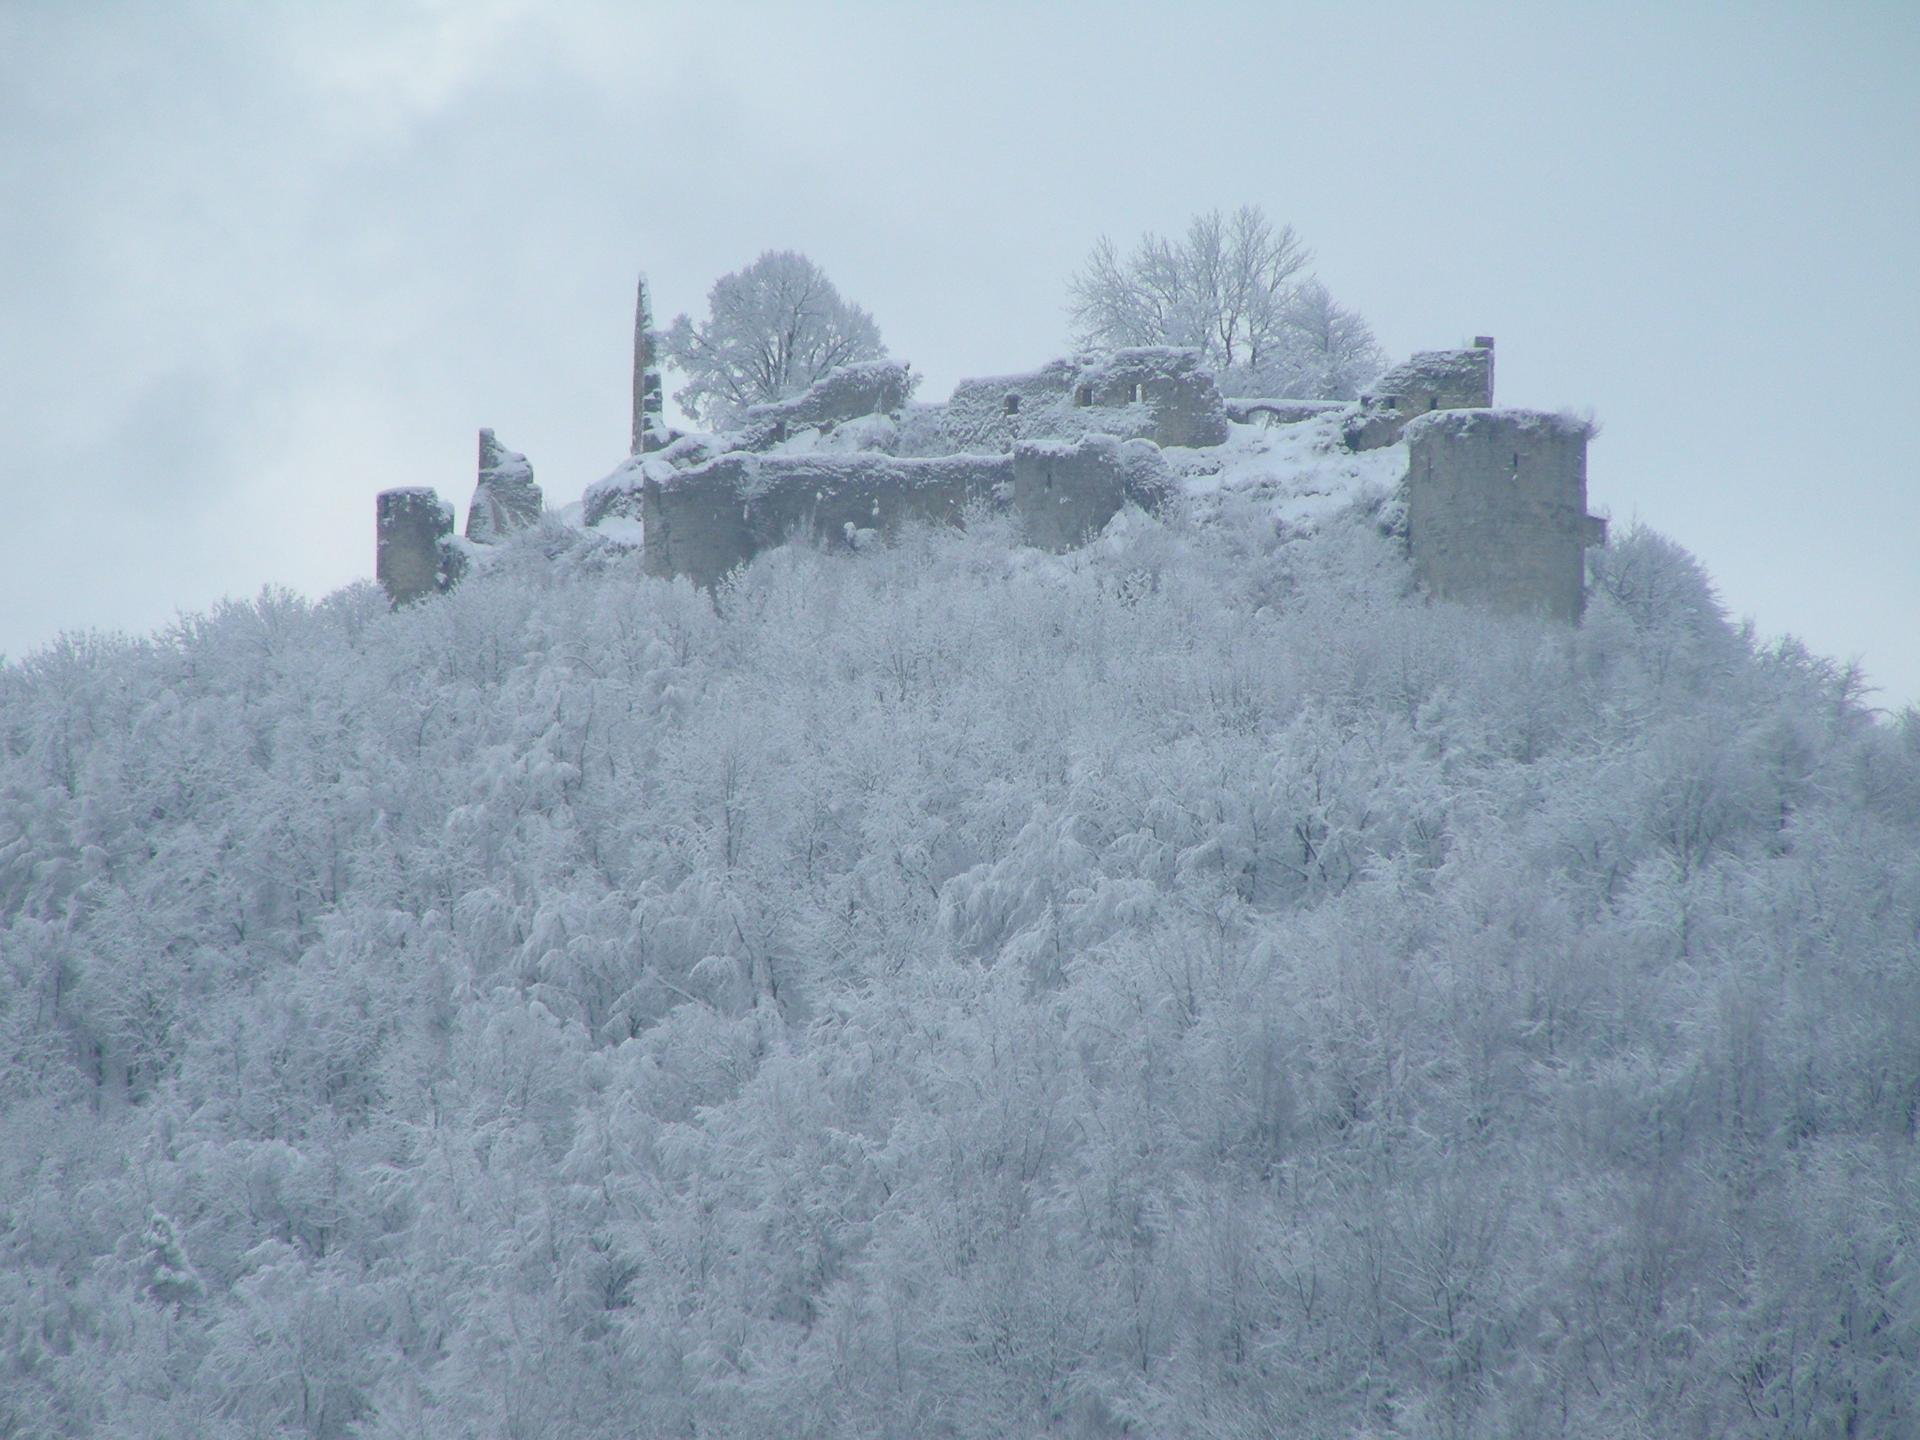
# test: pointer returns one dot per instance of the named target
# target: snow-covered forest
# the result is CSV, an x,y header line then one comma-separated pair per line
x,y
1190,987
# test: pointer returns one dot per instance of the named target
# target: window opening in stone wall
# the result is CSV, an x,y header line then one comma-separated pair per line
x,y
1083,397
1137,392
1013,405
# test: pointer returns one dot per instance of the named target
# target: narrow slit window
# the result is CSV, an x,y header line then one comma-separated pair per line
x,y
1013,405
1083,397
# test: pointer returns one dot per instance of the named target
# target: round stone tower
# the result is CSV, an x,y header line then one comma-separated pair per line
x,y
409,558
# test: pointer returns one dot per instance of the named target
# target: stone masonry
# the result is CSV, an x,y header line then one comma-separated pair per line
x,y
1429,380
413,550
649,418
706,522
1066,493
1497,509
866,387
1255,411
1148,392
505,499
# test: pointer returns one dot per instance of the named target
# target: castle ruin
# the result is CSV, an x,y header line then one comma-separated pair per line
x,y
1497,509
1496,502
413,556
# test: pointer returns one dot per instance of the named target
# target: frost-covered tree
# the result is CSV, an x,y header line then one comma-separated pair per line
x,y
771,330
1328,351
1192,987
1236,288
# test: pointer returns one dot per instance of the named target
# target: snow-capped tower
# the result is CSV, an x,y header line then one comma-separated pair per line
x,y
648,421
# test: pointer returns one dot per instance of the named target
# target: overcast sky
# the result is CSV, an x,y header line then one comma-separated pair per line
x,y
259,262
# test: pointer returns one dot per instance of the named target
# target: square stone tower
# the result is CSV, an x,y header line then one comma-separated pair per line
x,y
1497,509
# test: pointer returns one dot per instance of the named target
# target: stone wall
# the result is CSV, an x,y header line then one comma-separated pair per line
x,y
1429,380
705,522
1254,411
869,387
1497,509
1064,493
1439,380
505,499
649,417
1149,392
413,545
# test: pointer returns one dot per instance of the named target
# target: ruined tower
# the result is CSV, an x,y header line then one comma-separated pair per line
x,y
648,419
412,556
1497,509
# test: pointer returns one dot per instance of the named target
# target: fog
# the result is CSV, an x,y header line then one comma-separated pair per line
x,y
261,263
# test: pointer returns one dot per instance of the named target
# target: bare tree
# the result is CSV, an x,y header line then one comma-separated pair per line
x,y
1234,287
1331,351
772,329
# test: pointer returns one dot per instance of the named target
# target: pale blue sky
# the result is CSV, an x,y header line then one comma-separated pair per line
x,y
258,262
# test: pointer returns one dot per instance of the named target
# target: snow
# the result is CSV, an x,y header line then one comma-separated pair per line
x,y
1463,422
959,990
627,477
621,530
1304,473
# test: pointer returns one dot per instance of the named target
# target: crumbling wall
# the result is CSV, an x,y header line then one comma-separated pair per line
x,y
1151,392
649,416
1427,381
414,551
705,522
1065,492
1260,411
1439,380
505,499
1497,509
867,387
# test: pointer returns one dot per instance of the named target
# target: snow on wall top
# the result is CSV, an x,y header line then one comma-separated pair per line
x,y
866,387
752,475
1479,421
498,462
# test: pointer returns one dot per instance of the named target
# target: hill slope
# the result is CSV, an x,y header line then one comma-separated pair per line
x,y
1190,987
